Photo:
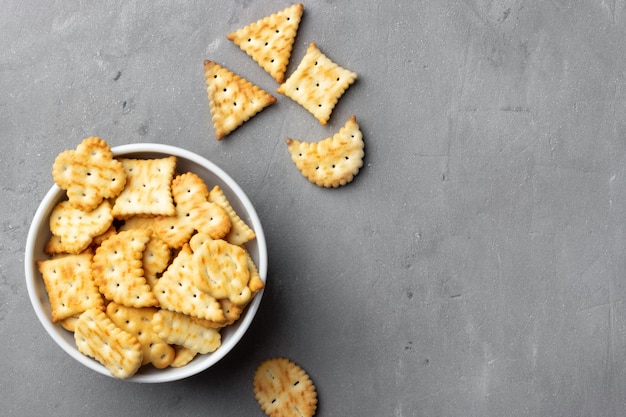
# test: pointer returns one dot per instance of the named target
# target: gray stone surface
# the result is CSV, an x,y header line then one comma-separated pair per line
x,y
475,267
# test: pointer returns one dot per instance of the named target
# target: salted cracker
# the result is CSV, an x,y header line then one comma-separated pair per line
x,y
317,84
333,161
233,100
176,290
148,188
138,322
118,269
269,41
89,173
98,337
71,288
283,389
76,228
180,329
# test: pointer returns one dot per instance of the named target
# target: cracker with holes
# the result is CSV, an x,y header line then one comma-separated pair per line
x,y
156,258
76,228
138,322
317,84
269,41
176,290
118,269
148,188
98,337
239,232
89,174
233,100
70,286
283,389
221,270
183,356
332,162
180,329
193,213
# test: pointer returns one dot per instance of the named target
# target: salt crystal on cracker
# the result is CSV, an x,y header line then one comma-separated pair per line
x,y
233,100
269,41
317,84
89,174
148,188
333,161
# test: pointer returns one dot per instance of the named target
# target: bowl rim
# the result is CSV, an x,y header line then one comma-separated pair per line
x,y
171,374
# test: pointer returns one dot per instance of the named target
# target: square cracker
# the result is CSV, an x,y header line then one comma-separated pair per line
x,y
180,329
70,286
233,100
317,84
269,41
148,188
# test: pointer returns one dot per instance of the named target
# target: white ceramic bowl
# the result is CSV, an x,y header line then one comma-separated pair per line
x,y
39,234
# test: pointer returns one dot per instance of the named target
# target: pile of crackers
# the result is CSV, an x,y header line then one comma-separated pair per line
x,y
317,84
147,264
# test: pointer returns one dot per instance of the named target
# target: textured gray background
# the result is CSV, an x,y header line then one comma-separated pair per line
x,y
475,267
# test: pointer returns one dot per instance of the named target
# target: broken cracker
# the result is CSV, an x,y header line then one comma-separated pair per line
x,y
283,389
239,232
89,174
148,188
98,337
333,161
269,41
138,322
233,100
317,84
183,356
70,286
118,269
180,329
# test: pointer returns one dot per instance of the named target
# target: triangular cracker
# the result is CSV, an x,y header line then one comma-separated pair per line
x,y
333,161
118,269
70,286
233,99
148,188
269,41
176,290
317,84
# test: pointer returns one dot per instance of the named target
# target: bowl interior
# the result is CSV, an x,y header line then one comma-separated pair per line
x,y
39,234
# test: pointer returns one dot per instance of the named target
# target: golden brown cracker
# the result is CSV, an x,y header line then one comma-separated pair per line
x,y
70,285
76,228
183,356
283,389
148,188
89,174
332,162
118,269
233,100
176,290
269,41
180,329
221,270
138,322
98,337
317,84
